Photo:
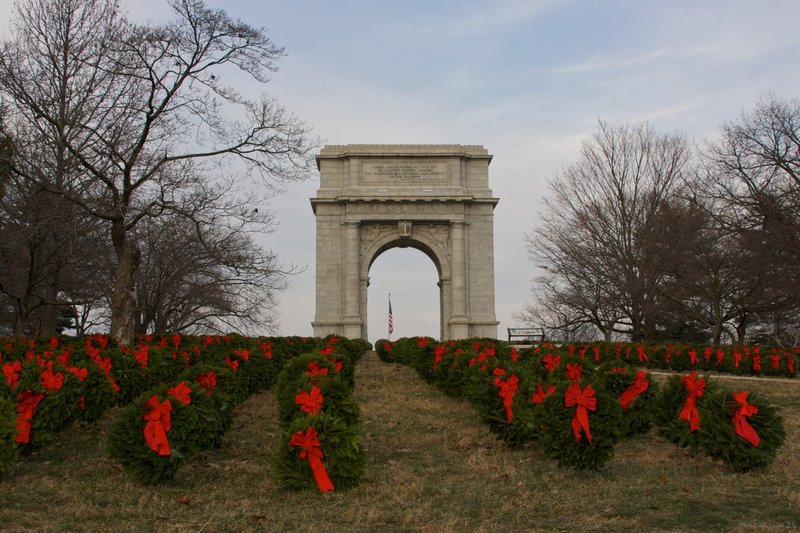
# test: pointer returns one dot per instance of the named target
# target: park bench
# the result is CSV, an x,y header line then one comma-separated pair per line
x,y
525,335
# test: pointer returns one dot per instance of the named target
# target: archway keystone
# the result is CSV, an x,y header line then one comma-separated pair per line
x,y
435,198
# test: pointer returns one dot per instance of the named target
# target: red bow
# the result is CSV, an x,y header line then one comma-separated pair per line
x,y
574,372
80,373
12,371
52,381
740,424
311,450
208,380
310,402
694,389
585,402
540,394
26,406
315,370
642,354
438,354
550,361
639,386
508,389
158,423
181,392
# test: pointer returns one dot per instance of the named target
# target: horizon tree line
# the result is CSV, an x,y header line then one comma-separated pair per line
x,y
649,237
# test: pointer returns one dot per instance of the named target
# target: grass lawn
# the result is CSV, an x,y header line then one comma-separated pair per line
x,y
432,466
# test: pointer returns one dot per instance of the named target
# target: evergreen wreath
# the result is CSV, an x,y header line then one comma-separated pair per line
x,y
343,455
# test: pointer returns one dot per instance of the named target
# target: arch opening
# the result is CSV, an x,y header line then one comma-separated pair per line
x,y
412,277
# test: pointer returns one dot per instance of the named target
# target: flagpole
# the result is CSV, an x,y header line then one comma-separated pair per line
x,y
391,319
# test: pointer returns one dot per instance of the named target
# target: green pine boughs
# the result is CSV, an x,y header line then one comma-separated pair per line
x,y
565,420
159,432
637,393
342,454
9,451
320,447
760,430
681,420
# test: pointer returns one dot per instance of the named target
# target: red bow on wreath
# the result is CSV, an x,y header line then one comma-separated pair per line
x,y
26,406
740,424
694,390
311,450
585,402
159,421
507,390
310,402
637,387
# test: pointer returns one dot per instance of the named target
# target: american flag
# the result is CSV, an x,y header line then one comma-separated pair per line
x,y
391,320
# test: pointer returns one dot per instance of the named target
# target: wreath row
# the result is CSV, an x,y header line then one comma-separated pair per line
x,y
48,385
577,410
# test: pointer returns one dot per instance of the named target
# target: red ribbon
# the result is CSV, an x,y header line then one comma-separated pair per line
x,y
26,406
52,381
181,392
208,380
694,390
639,386
551,362
585,402
311,450
740,424
315,370
540,394
574,372
310,402
12,372
508,389
80,373
159,421
438,354
642,354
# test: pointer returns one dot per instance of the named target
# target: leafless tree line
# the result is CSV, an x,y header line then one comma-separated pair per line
x,y
126,170
648,237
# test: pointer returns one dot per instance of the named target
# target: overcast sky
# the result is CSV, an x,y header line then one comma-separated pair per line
x,y
527,79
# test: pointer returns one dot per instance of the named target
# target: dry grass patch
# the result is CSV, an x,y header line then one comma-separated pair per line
x,y
432,466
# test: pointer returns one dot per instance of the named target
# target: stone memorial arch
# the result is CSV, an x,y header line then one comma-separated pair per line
x,y
435,198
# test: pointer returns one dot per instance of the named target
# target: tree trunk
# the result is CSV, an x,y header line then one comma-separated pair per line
x,y
123,298
716,333
49,314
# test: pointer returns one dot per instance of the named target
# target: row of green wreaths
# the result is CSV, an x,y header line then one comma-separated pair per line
x,y
577,409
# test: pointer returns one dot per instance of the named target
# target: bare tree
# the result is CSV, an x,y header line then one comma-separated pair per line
x,y
201,271
159,128
43,72
597,238
754,178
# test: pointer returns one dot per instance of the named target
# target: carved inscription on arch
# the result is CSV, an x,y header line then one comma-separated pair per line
x,y
395,172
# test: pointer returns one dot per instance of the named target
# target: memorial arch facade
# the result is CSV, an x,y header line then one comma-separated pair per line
x,y
435,198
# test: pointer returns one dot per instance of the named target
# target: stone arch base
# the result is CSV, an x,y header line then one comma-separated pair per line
x,y
431,197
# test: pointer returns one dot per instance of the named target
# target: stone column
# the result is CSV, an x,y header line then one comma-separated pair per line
x,y
459,321
364,293
352,297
